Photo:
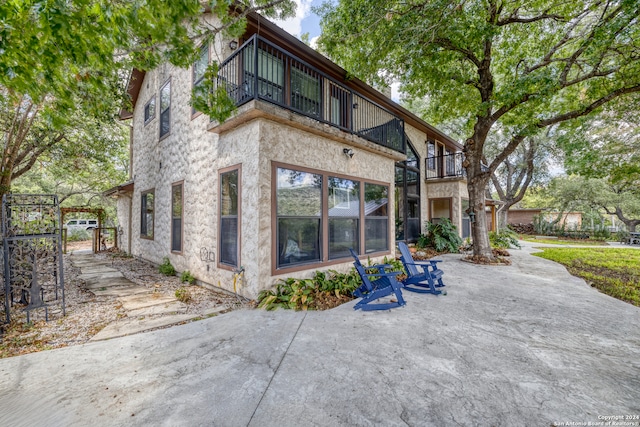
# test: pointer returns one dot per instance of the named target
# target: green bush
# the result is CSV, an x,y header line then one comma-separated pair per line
x,y
166,268
78,235
187,277
183,294
441,236
504,238
299,294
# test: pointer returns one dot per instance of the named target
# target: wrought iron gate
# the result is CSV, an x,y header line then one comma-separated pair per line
x,y
32,253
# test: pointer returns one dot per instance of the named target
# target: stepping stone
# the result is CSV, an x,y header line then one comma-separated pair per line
x,y
172,307
119,291
130,326
134,302
91,286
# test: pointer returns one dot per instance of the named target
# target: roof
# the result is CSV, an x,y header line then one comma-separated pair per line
x,y
258,24
122,188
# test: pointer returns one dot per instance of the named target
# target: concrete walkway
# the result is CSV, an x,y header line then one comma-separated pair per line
x,y
145,309
520,345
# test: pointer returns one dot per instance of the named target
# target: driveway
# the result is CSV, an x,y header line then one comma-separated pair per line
x,y
520,345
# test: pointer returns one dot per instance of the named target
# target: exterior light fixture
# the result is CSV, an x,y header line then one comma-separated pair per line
x,y
472,216
355,106
233,44
348,152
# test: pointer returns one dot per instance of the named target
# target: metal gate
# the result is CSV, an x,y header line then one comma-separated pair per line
x,y
32,253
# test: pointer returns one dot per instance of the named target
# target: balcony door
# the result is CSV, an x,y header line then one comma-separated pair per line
x,y
408,197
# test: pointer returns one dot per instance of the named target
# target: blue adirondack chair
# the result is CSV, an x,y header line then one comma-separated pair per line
x,y
422,276
375,286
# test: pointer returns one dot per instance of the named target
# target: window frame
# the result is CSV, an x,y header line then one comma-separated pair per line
x,y
143,218
151,101
166,84
179,184
325,260
223,265
197,80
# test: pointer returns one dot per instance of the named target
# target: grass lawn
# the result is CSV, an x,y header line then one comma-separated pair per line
x,y
616,272
580,242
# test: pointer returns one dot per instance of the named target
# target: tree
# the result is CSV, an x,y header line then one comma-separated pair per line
x,y
65,61
523,65
528,165
574,192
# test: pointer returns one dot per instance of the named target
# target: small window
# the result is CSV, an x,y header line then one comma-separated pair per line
x,y
199,69
165,109
150,110
229,224
147,214
176,217
72,222
83,222
376,222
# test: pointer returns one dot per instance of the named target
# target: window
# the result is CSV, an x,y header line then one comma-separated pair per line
x,y
176,217
199,69
229,215
340,105
440,209
407,203
319,217
150,110
344,217
270,73
299,220
305,91
165,109
431,155
147,214
376,222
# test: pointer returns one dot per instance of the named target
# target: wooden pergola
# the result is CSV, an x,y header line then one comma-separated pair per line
x,y
99,212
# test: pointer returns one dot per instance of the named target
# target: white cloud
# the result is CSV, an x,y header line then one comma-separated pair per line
x,y
294,25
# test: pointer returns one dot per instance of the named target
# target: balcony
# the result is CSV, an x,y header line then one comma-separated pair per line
x,y
261,70
445,166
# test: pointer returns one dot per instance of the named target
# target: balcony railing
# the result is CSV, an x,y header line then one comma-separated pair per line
x,y
445,166
262,70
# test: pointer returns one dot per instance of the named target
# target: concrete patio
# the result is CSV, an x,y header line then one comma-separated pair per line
x,y
520,345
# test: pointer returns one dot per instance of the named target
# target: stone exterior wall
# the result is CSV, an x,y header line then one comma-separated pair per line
x,y
257,137
453,188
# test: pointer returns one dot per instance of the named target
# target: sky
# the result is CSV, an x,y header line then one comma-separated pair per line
x,y
306,21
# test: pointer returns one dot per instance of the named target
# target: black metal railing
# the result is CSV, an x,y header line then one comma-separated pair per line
x,y
262,70
448,165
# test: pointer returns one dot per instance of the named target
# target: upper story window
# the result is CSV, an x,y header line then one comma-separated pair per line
x,y
165,109
150,110
270,73
305,91
199,69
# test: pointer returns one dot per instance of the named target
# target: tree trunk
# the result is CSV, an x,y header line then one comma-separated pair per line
x,y
479,231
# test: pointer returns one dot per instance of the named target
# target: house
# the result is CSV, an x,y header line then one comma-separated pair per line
x,y
313,162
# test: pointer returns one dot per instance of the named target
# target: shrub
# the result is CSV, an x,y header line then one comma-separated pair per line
x,y
183,294
166,268
78,235
300,294
442,236
187,277
505,238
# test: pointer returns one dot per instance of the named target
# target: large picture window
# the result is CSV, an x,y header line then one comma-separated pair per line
x,y
165,109
299,209
344,217
319,217
176,217
229,217
147,200
376,222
